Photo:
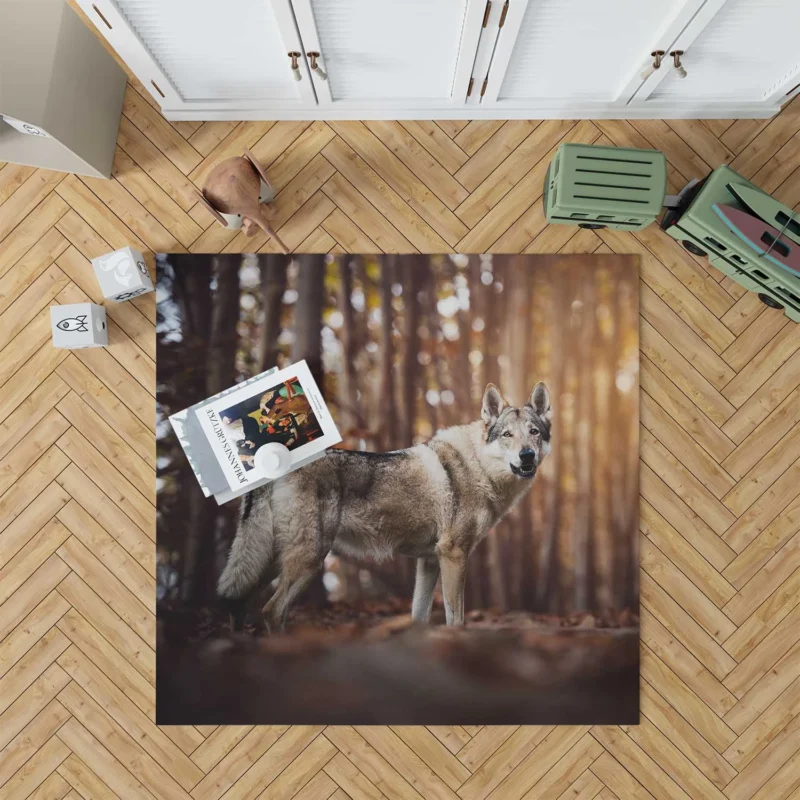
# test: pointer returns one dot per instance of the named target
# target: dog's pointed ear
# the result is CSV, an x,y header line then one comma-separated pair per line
x,y
539,401
493,404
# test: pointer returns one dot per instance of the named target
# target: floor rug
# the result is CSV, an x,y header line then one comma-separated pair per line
x,y
467,554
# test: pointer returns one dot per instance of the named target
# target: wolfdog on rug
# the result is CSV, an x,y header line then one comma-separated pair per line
x,y
434,502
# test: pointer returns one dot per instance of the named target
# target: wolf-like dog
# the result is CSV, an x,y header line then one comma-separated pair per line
x,y
433,502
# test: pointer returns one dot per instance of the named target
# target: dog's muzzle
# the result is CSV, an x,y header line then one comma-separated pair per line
x,y
527,464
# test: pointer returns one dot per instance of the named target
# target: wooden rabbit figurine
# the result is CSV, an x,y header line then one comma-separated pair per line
x,y
232,193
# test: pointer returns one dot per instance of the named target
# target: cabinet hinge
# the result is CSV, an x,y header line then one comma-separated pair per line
x,y
486,13
503,15
483,88
469,88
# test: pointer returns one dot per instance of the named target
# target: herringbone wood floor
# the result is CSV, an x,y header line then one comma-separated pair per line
x,y
720,471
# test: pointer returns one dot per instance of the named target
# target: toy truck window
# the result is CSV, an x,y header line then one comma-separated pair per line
x,y
791,225
786,293
781,248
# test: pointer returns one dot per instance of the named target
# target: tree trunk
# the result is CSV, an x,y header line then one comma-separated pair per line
x,y
412,266
224,317
308,345
308,313
492,330
443,374
273,286
351,418
387,404
496,302
629,410
583,537
461,371
193,295
547,584
518,351
618,427
429,373
221,375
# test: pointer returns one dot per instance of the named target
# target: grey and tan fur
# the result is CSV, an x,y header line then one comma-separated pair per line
x,y
434,502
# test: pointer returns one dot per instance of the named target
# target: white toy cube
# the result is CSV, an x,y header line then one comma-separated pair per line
x,y
79,325
122,274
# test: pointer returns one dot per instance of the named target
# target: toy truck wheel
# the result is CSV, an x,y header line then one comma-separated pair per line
x,y
769,301
592,226
693,248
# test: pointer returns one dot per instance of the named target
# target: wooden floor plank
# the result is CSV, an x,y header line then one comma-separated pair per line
x,y
153,161
32,192
91,462
84,782
690,598
12,176
91,606
683,555
100,763
437,143
675,403
680,733
30,267
108,515
419,161
126,750
223,775
685,682
491,155
498,183
159,131
28,233
383,197
769,614
292,158
96,648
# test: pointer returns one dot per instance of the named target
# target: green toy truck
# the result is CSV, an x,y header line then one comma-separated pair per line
x,y
700,230
612,187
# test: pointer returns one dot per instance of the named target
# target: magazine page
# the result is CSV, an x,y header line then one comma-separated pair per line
x,y
196,446
285,407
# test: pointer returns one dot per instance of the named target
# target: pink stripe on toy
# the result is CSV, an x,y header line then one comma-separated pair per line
x,y
764,239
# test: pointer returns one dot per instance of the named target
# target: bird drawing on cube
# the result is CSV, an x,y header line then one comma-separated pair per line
x,y
79,325
122,275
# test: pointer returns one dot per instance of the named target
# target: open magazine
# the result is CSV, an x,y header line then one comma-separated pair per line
x,y
222,435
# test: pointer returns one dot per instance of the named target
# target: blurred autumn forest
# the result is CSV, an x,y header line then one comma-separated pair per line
x,y
402,346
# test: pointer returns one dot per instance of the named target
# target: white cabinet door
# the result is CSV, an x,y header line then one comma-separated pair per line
x,y
735,51
564,55
390,54
207,54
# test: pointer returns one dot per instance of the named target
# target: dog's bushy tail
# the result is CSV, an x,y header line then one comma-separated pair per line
x,y
251,553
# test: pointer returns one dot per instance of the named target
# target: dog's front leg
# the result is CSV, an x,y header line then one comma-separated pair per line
x,y
425,583
453,564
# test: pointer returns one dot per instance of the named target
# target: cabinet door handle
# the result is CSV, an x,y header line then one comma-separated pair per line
x,y
315,68
657,56
295,66
676,60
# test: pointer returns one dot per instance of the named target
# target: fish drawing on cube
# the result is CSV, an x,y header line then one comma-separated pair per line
x,y
79,325
122,275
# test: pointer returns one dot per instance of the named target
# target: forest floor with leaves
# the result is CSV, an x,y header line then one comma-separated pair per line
x,y
367,663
